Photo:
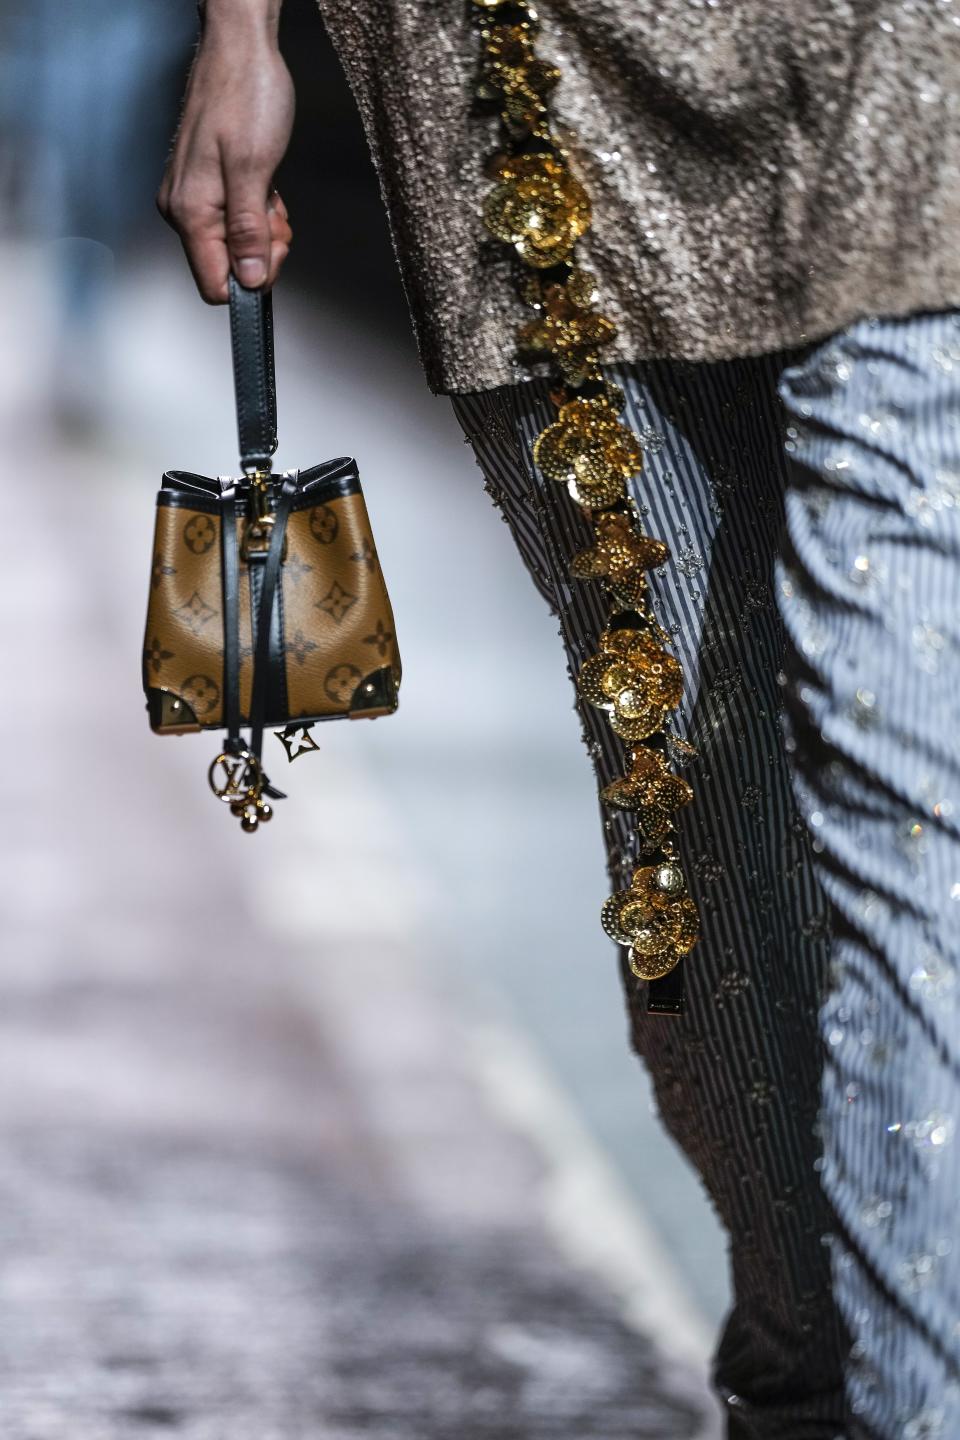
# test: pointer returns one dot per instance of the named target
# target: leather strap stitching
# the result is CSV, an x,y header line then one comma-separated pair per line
x,y
271,575
251,337
230,567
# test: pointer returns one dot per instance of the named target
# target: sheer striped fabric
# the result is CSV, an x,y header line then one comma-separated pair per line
x,y
812,504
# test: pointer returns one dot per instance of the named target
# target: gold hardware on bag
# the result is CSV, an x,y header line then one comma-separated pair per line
x,y
258,527
232,776
238,781
251,812
296,740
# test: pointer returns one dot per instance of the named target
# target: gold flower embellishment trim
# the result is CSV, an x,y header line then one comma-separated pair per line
x,y
539,208
655,917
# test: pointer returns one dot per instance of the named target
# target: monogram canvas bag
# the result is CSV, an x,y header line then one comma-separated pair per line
x,y
267,605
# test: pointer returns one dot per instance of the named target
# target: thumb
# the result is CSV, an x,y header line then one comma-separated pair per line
x,y
248,225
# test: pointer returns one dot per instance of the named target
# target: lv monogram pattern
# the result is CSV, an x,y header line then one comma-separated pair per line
x,y
334,598
337,621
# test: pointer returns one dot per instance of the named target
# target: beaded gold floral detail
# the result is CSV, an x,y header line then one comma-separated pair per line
x,y
539,208
655,917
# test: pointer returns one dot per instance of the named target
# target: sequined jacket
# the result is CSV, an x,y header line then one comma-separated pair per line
x,y
761,174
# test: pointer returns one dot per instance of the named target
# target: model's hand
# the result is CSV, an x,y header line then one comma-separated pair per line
x,y
217,190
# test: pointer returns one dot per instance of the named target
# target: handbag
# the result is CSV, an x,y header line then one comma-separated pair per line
x,y
267,605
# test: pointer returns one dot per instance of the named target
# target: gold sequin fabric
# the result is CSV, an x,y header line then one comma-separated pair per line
x,y
538,208
759,175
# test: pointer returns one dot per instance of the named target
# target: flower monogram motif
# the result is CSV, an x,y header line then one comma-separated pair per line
x,y
294,569
621,556
514,73
336,602
366,555
568,328
201,693
655,917
635,680
154,655
589,450
160,570
341,682
199,534
653,791
538,208
299,646
324,524
381,638
195,613
297,740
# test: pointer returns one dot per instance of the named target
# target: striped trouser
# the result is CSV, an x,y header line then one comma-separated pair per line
x,y
812,504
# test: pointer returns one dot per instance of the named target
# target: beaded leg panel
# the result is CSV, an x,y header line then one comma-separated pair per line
x,y
737,1077
538,210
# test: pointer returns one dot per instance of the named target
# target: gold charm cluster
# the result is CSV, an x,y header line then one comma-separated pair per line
x,y
539,208
238,780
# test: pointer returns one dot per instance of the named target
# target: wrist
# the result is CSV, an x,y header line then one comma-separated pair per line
x,y
250,21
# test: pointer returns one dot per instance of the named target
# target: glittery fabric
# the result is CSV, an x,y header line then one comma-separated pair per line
x,y
869,588
760,174
814,1079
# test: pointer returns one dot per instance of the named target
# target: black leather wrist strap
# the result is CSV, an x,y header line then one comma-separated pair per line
x,y
268,599
251,336
271,562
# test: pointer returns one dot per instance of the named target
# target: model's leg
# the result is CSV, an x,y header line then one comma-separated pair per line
x,y
737,1079
870,592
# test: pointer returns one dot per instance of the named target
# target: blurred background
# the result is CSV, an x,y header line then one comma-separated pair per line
x,y
334,1132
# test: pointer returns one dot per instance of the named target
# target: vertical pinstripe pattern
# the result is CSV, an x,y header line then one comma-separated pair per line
x,y
738,1080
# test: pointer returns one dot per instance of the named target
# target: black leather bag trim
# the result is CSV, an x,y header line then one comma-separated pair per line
x,y
276,672
334,480
230,585
376,694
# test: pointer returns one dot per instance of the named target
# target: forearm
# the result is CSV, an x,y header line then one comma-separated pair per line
x,y
223,21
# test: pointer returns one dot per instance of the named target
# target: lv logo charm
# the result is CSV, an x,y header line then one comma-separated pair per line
x,y
238,780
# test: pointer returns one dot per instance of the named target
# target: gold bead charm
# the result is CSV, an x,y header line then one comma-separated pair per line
x,y
238,780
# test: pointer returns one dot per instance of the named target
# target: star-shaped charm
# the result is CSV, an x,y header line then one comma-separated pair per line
x,y
297,740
